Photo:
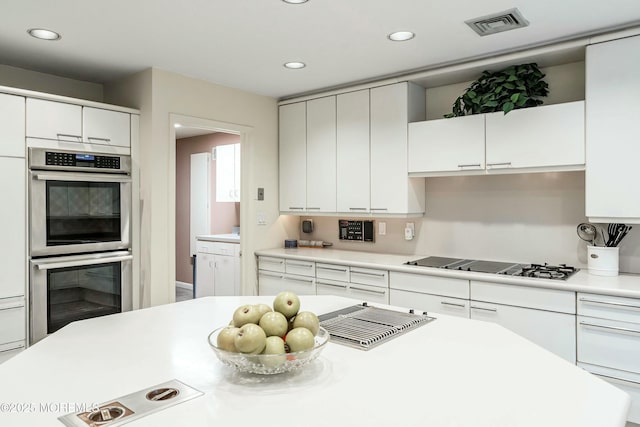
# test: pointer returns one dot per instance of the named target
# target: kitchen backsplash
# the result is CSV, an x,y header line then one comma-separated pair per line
x,y
520,218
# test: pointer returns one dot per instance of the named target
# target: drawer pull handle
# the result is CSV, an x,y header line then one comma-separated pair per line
x,y
331,284
270,261
95,138
357,209
68,135
313,209
611,328
291,279
295,208
614,303
503,164
364,273
9,306
17,347
495,310
342,270
452,304
355,288
279,276
379,209
474,165
616,378
300,264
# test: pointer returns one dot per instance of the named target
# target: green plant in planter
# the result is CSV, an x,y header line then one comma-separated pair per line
x,y
518,86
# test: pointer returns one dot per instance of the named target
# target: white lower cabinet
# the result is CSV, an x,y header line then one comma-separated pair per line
x,y
431,294
217,269
13,331
609,342
543,316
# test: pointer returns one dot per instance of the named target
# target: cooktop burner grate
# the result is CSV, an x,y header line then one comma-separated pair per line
x,y
364,327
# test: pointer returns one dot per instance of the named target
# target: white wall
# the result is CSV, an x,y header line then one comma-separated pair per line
x,y
520,218
48,83
158,94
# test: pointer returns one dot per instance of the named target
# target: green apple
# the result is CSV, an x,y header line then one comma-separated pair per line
x,y
244,314
274,324
307,319
287,303
263,309
274,346
250,339
299,339
226,338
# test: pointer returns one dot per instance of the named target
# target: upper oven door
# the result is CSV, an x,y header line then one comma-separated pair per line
x,y
74,212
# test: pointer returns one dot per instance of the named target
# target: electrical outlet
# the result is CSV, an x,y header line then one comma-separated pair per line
x,y
262,218
382,228
409,231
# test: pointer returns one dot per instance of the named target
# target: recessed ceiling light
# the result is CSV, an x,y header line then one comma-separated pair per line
x,y
177,125
295,65
401,36
42,34
295,1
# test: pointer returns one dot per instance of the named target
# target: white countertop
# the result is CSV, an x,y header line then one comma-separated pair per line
x,y
450,372
624,285
225,238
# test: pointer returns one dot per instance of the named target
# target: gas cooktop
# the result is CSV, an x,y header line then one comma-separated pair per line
x,y
542,271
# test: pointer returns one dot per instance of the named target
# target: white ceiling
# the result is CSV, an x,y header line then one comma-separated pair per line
x,y
243,43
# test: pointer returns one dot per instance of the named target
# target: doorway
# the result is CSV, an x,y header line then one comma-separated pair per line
x,y
207,209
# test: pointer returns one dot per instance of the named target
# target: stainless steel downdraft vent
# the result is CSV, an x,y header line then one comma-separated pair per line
x,y
497,23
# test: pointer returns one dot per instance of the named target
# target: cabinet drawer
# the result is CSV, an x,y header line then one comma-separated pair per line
x,y
12,322
430,303
271,264
219,248
608,307
332,272
303,268
332,287
368,276
609,343
7,351
456,288
369,293
300,285
522,296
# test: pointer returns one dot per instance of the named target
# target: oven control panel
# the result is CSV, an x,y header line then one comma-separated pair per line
x,y
355,230
53,158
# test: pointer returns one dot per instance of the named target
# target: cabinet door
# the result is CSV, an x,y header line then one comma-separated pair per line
x,y
205,264
106,127
13,227
225,275
293,157
430,303
369,293
53,120
321,155
554,331
352,133
447,145
392,107
270,283
612,129
547,136
225,173
12,122
332,287
236,172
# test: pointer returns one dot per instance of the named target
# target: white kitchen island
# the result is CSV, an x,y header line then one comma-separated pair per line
x,y
449,372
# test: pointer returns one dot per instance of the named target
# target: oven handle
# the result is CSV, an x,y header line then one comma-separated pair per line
x,y
46,265
87,177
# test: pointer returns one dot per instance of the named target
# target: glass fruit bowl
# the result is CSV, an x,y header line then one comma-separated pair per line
x,y
268,364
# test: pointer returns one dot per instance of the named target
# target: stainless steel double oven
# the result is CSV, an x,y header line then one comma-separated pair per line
x,y
79,237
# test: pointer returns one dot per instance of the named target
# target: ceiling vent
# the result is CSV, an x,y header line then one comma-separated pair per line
x,y
498,22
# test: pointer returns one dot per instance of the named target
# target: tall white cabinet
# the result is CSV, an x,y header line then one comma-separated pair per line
x,y
13,227
321,155
293,157
613,131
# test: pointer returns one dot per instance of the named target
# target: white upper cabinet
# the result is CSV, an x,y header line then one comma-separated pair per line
x,y
106,127
613,131
68,122
392,108
54,120
352,147
321,155
228,173
545,136
13,227
12,110
447,145
293,157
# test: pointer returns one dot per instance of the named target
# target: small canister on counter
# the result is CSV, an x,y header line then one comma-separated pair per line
x,y
290,243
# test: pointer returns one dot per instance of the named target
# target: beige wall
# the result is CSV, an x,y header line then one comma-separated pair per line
x,y
48,83
160,93
224,215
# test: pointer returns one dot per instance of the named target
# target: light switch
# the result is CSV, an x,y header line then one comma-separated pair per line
x,y
260,193
262,218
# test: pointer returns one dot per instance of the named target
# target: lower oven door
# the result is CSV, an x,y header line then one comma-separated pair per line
x,y
69,288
